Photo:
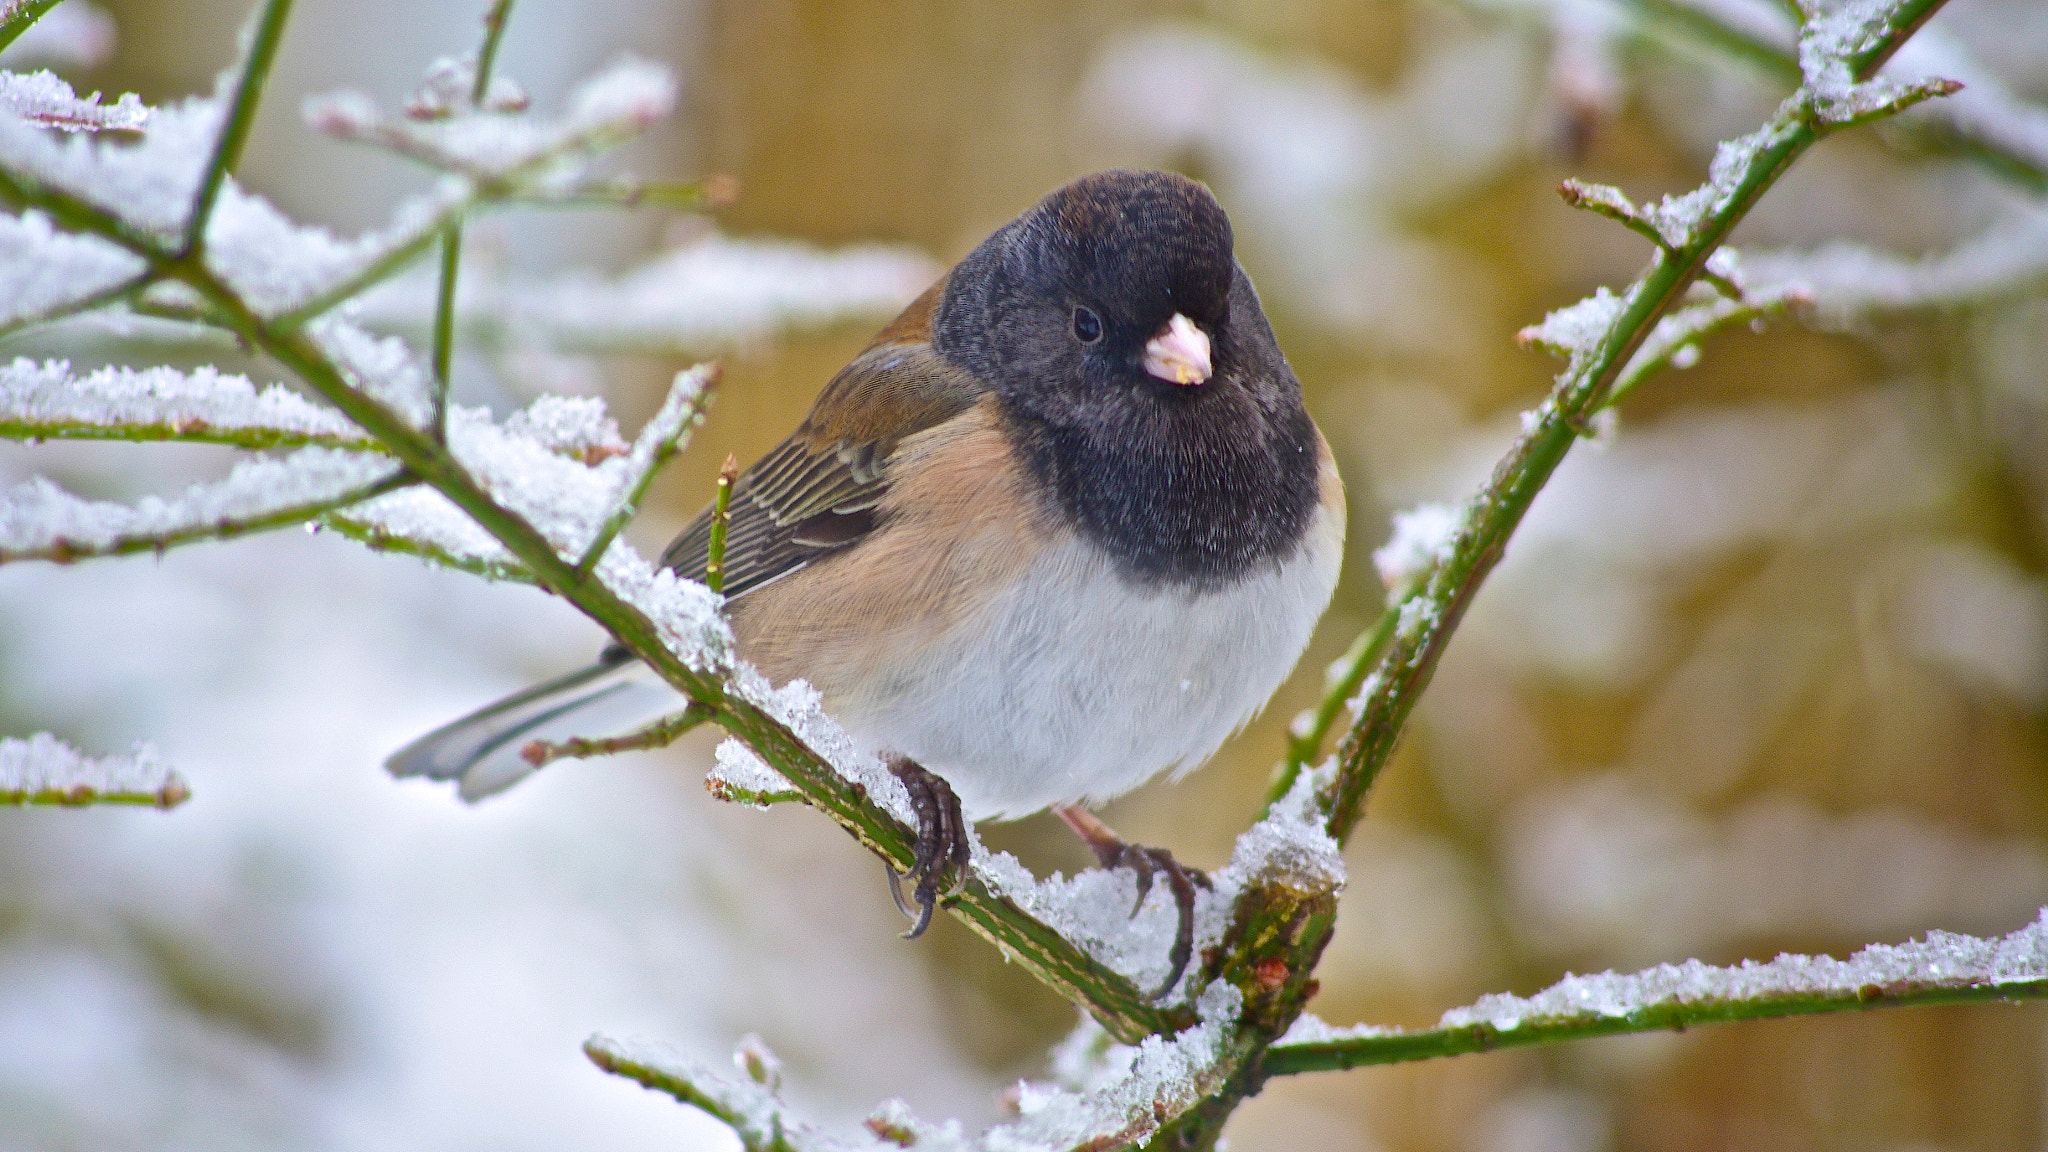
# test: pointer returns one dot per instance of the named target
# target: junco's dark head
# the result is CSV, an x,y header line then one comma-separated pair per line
x,y
1115,323
1120,279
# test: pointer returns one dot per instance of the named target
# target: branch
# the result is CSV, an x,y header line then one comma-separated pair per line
x,y
1603,332
664,435
227,149
44,770
39,521
1988,125
47,402
660,734
1944,969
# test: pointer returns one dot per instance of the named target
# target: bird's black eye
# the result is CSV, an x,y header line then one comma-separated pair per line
x,y
1087,326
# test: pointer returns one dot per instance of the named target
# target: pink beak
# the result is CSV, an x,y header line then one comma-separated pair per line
x,y
1180,353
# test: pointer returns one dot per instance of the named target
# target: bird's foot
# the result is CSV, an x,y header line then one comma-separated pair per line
x,y
943,850
1113,851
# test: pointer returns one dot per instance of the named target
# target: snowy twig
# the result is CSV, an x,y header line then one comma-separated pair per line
x,y
451,232
44,770
752,1110
47,401
660,734
39,521
1944,969
1988,124
664,435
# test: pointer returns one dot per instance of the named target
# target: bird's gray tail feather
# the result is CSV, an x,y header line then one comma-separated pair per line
x,y
482,751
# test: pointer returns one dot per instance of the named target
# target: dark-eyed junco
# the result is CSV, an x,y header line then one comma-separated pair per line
x,y
1064,525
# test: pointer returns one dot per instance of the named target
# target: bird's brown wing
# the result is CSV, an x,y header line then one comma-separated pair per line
x,y
817,491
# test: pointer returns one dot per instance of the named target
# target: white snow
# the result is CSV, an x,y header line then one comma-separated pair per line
x,y
43,270
41,98
489,144
1309,1029
1848,283
713,293
1942,960
149,182
1421,540
49,400
44,769
276,265
740,777
575,426
1577,329
39,518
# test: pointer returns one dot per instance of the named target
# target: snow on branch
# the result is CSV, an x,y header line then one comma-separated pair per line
x,y
493,143
714,293
148,184
1848,283
46,273
41,98
49,401
40,521
1131,1092
664,435
1944,968
44,770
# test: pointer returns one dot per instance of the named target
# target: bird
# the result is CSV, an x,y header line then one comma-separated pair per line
x,y
1064,525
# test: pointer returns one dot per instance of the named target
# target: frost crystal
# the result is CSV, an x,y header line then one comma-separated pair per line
x,y
38,518
43,271
44,769
47,400
41,98
1422,539
1578,329
569,426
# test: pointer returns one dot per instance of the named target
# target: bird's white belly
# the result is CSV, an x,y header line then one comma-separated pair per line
x,y
1074,685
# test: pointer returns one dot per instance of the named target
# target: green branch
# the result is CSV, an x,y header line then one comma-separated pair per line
x,y
20,16
63,551
1427,618
227,147
1399,1047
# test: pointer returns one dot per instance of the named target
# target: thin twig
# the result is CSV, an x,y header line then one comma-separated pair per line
x,y
444,324
227,148
649,457
721,516
62,551
660,734
1394,1047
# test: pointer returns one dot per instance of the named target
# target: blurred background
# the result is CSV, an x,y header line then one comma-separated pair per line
x,y
1765,672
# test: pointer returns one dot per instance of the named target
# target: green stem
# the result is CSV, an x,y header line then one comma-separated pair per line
x,y
1581,390
23,14
660,734
444,324
721,516
487,57
86,303
1398,1047
1302,747
227,148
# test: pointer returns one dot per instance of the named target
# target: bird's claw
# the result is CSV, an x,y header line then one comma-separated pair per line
x,y
1113,851
943,849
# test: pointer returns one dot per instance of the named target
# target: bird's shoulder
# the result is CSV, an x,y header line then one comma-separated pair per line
x,y
819,491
